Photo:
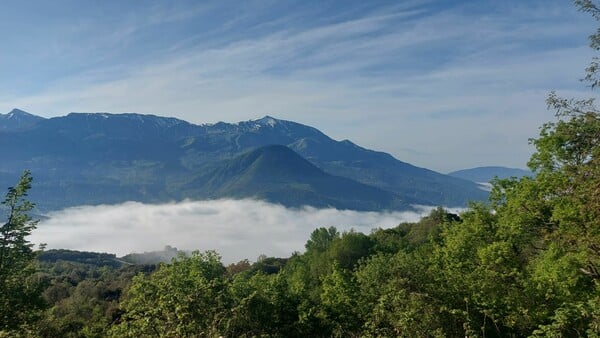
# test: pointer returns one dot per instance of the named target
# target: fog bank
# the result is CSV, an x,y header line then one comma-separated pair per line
x,y
237,229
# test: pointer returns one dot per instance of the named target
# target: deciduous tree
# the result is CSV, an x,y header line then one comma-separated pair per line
x,y
20,294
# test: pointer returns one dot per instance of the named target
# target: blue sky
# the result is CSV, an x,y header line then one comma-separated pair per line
x,y
440,84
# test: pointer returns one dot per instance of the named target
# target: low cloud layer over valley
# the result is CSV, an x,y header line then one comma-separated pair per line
x,y
237,229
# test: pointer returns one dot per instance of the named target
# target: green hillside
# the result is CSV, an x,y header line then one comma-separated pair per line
x,y
277,174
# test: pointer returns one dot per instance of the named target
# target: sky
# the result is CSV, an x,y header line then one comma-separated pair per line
x,y
445,85
268,229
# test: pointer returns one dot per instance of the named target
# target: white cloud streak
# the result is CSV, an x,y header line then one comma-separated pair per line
x,y
237,229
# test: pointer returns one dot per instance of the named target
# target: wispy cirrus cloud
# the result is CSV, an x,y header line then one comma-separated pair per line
x,y
463,84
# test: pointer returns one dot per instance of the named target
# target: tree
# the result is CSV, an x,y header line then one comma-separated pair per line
x,y
183,299
321,238
261,306
349,248
339,303
20,295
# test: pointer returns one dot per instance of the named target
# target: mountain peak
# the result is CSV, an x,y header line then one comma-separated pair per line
x,y
268,121
18,119
16,113
279,159
278,174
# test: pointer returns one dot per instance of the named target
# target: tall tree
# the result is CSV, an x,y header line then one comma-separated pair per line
x,y
20,295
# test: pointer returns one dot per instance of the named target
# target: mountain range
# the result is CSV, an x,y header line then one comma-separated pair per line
x,y
102,158
486,174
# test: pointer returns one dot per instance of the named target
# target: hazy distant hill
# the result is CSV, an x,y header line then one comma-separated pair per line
x,y
85,158
486,174
83,257
153,257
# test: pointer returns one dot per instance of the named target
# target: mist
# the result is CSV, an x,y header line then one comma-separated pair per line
x,y
236,229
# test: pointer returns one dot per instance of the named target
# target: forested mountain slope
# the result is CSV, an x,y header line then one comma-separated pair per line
x,y
85,158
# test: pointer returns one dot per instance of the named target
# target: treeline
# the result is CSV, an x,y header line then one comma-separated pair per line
x,y
86,258
448,276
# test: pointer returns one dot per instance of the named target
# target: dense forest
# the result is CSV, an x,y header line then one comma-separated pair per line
x,y
527,263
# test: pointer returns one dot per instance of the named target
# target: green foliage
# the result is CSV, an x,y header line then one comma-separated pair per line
x,y
15,250
91,258
83,298
385,294
339,300
181,299
349,249
321,239
20,291
262,306
429,227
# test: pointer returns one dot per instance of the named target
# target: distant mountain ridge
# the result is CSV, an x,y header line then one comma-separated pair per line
x,y
486,174
93,158
18,119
